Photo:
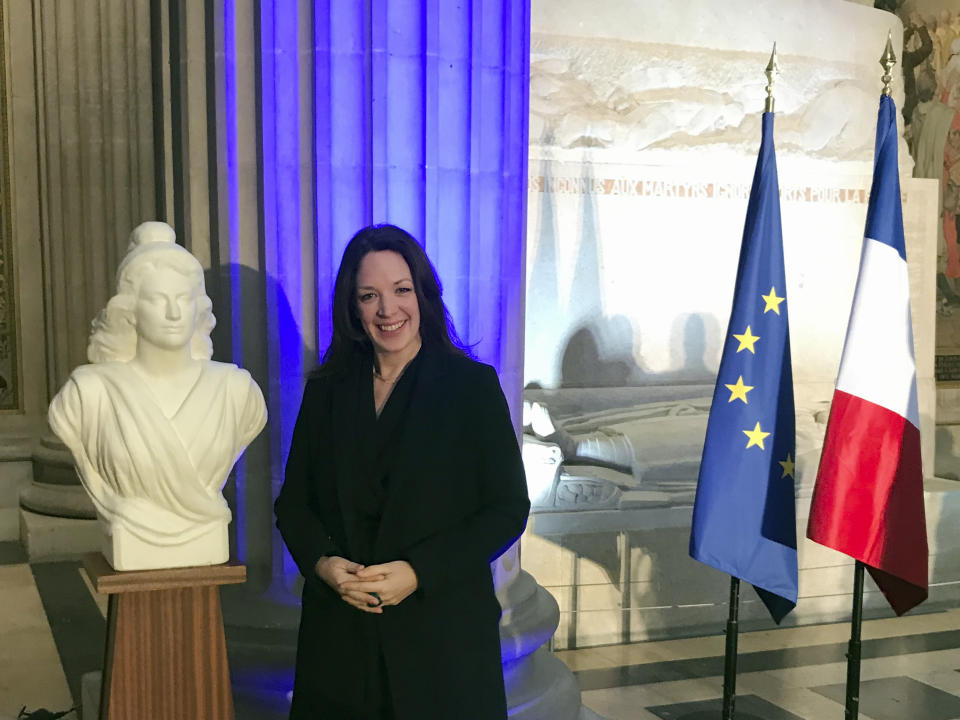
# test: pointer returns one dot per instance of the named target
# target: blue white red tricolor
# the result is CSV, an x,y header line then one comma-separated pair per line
x,y
868,498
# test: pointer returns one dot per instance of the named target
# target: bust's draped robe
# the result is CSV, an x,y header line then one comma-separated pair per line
x,y
159,476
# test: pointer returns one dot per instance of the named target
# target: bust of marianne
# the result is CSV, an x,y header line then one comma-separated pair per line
x,y
153,424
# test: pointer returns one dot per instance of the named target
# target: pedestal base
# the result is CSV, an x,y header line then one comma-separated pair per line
x,y
166,657
125,551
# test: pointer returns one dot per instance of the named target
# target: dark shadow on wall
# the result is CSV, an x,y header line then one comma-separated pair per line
x,y
587,362
242,336
603,351
695,343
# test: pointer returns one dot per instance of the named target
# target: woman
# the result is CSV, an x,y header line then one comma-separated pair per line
x,y
153,424
404,482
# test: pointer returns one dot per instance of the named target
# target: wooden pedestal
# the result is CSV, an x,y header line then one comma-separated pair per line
x,y
166,658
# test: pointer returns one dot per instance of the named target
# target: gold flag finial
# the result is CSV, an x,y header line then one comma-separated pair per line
x,y
773,69
887,61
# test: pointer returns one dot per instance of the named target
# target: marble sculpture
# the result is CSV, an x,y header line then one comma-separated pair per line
x,y
153,424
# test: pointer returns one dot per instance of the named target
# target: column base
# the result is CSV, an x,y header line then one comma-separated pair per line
x,y
50,538
539,686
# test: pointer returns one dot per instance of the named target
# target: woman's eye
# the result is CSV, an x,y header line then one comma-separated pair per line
x,y
403,290
366,296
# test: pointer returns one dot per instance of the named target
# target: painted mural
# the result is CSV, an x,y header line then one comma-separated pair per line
x,y
931,114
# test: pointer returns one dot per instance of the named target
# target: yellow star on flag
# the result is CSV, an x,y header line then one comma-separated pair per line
x,y
772,301
788,465
756,437
739,390
747,340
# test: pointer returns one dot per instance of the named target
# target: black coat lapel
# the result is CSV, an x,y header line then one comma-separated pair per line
x,y
352,409
425,407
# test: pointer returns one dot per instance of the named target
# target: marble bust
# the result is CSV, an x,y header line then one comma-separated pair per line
x,y
153,424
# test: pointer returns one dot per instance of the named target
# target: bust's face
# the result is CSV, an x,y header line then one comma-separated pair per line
x,y
166,313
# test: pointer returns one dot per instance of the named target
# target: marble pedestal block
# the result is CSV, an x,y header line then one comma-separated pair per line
x,y
56,519
947,459
125,551
48,538
626,576
15,475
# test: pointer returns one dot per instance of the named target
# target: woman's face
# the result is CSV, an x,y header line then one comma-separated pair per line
x,y
166,311
387,302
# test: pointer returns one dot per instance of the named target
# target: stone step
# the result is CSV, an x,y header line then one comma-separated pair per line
x,y
47,538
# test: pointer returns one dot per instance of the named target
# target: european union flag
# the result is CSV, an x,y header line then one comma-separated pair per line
x,y
744,517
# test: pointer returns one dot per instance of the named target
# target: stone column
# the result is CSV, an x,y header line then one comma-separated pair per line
x,y
95,178
19,258
322,117
419,117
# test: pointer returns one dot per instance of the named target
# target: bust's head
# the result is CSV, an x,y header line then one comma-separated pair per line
x,y
160,297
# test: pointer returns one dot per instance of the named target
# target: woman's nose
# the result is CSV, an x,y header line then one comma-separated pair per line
x,y
173,310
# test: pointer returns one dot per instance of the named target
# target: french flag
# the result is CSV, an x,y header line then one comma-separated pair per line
x,y
868,497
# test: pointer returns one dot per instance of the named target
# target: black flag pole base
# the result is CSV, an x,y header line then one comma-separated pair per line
x,y
853,649
730,654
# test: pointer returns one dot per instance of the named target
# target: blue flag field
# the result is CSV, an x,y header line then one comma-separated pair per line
x,y
744,517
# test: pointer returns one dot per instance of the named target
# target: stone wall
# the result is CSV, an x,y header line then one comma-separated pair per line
x,y
645,123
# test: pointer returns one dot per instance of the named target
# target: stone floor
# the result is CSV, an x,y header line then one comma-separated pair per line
x,y
52,628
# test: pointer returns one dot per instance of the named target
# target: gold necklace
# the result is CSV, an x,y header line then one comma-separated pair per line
x,y
381,378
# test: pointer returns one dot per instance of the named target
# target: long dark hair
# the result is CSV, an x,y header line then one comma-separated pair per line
x,y
350,343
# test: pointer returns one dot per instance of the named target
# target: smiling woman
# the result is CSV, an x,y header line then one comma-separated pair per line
x,y
404,482
390,316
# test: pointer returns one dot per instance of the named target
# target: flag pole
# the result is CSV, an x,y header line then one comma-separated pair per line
x,y
730,656
853,649
852,709
733,624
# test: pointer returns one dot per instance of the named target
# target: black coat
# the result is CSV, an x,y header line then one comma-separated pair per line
x,y
456,499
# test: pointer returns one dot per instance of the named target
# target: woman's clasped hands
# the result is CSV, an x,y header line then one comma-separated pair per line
x,y
368,588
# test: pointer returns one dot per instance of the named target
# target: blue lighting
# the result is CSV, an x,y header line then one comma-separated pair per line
x,y
417,115
421,120
287,255
405,111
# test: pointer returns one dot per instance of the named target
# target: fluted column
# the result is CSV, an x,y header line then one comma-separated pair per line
x,y
323,117
96,157
10,375
95,180
421,120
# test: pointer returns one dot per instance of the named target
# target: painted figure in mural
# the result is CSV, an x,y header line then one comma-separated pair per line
x,y
917,48
934,124
404,482
950,77
943,37
153,424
